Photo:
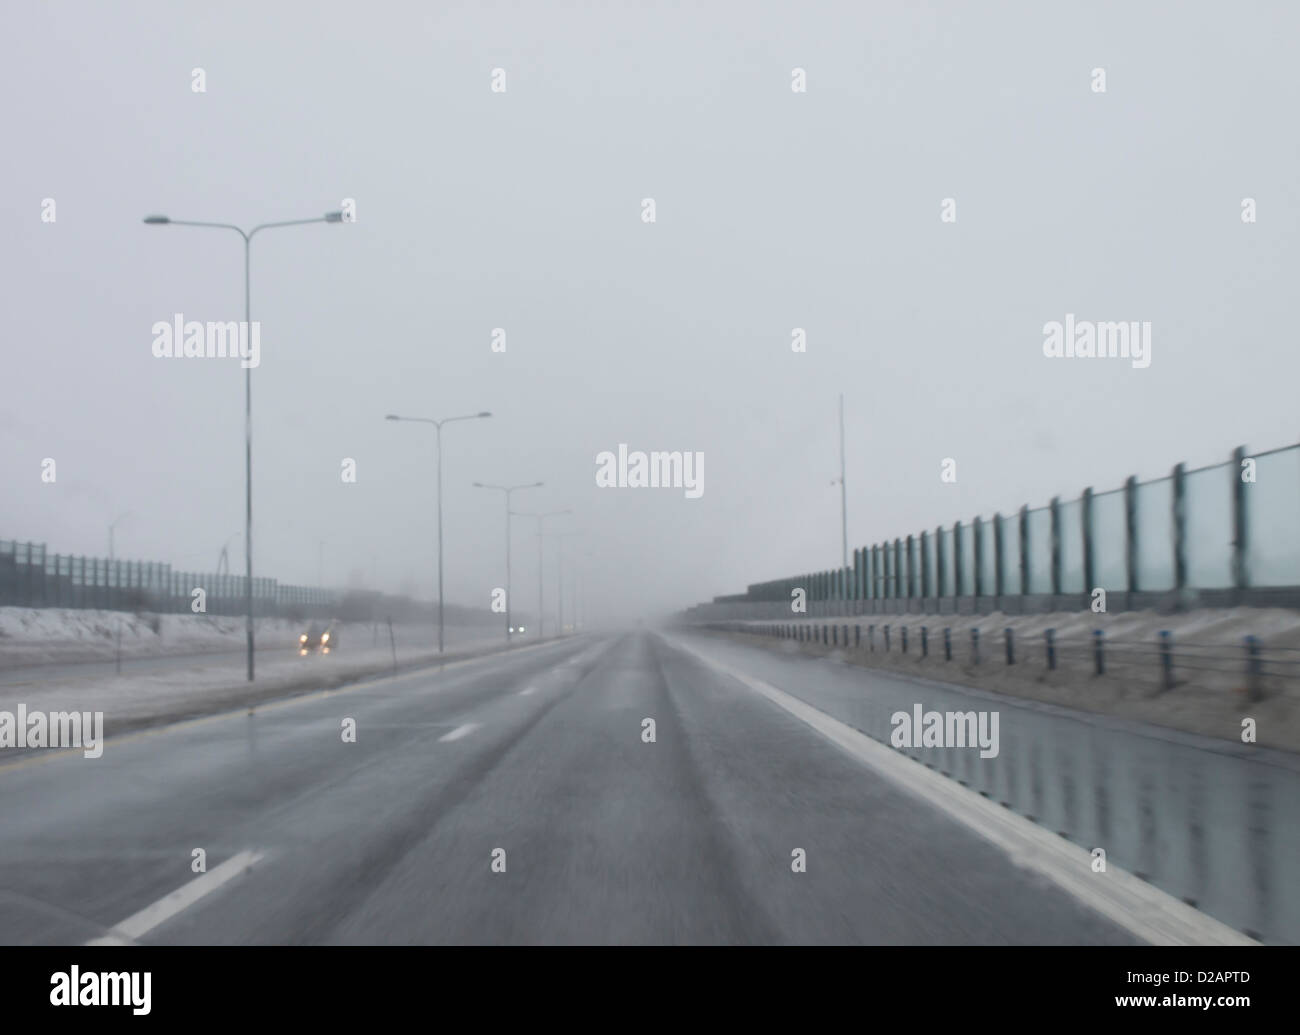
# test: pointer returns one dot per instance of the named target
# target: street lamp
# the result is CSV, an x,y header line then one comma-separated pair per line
x,y
247,235
111,525
508,489
112,567
437,424
844,499
541,518
223,558
559,576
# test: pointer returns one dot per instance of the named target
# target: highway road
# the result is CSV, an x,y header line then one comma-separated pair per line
x,y
513,799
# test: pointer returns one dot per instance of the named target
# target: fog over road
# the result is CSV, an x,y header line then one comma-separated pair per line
x,y
539,752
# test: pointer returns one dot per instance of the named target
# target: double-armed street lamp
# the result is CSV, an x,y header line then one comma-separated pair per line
x,y
508,489
247,235
541,520
112,525
559,578
437,424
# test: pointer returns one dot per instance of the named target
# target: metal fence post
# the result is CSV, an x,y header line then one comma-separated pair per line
x,y
911,567
898,567
1179,515
1054,509
1050,636
957,558
925,566
1254,668
999,557
1131,544
977,536
940,573
1166,659
1024,550
857,578
1089,560
1240,570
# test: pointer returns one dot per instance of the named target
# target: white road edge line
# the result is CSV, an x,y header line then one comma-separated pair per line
x,y
1140,908
136,927
458,732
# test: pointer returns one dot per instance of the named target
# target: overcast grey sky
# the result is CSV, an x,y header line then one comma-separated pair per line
x,y
522,210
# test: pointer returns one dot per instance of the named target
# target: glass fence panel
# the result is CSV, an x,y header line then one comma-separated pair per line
x,y
1040,550
1273,520
988,558
1109,557
1071,518
1011,554
945,546
1155,535
930,561
967,559
1207,515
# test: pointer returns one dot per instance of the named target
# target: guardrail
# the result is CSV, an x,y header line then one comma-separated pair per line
x,y
1163,663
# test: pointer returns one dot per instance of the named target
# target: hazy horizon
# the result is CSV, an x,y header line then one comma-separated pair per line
x,y
522,210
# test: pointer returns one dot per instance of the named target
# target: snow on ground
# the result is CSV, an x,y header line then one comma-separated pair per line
x,y
39,636
164,694
179,665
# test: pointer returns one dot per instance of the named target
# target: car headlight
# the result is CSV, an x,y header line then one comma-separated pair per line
x,y
325,638
302,638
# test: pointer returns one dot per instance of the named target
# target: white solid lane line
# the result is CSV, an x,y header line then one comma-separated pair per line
x,y
136,927
458,732
1132,903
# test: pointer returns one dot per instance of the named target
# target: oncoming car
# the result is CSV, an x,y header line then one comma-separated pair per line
x,y
321,636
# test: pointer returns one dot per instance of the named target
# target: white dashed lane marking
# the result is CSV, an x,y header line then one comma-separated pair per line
x,y
135,927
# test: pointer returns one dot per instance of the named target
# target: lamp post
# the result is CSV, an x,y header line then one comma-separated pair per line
x,y
223,558
247,235
508,489
437,424
112,525
113,575
541,519
559,577
844,501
